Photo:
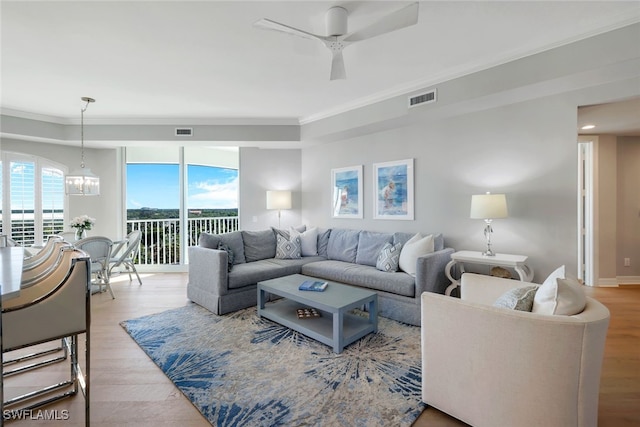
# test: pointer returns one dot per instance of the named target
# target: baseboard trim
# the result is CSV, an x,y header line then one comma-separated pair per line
x,y
628,280
607,282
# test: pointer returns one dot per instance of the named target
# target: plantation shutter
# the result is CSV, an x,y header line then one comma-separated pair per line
x,y
52,201
22,187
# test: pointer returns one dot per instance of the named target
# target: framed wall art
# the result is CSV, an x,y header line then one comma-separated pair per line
x,y
393,186
346,192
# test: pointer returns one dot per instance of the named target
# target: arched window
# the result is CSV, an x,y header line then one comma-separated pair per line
x,y
33,201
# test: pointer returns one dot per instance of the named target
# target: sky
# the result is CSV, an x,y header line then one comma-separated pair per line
x,y
157,186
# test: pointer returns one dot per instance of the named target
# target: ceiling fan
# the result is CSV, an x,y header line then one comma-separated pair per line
x,y
337,37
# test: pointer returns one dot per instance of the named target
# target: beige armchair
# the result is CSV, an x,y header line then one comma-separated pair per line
x,y
490,366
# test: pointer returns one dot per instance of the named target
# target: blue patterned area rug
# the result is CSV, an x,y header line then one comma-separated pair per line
x,y
240,370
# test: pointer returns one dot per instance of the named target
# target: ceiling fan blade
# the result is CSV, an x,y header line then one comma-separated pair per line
x,y
337,66
401,18
268,24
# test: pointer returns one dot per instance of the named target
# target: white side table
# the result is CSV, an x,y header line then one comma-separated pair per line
x,y
517,262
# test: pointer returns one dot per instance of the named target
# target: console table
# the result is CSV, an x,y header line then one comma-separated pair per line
x,y
517,262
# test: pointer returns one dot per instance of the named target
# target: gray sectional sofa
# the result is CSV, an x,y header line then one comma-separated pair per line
x,y
224,269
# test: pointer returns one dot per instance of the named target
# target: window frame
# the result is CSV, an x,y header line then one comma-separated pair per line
x,y
40,163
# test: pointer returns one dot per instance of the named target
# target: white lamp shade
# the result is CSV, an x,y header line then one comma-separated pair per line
x,y
488,206
82,183
278,199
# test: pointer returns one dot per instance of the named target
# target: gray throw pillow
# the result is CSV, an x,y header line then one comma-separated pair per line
x,y
323,241
285,233
232,240
227,249
259,245
517,299
288,248
343,245
389,257
369,245
208,240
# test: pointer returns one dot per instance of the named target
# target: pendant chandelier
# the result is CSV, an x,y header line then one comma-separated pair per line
x,y
82,182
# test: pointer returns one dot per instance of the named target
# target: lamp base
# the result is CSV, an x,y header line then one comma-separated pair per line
x,y
487,234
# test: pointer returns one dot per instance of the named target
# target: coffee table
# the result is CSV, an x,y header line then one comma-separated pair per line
x,y
335,326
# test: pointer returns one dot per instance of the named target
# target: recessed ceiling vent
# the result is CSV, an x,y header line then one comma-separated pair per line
x,y
423,98
184,132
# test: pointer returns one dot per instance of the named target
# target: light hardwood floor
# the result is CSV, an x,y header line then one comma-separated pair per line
x,y
127,389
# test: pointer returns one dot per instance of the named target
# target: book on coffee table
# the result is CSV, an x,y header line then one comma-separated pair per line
x,y
307,313
313,285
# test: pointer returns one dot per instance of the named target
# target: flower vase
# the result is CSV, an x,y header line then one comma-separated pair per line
x,y
81,233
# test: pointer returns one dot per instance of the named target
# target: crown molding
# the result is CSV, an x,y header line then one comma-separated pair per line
x,y
171,121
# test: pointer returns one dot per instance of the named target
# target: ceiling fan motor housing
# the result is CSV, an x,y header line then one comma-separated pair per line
x,y
336,19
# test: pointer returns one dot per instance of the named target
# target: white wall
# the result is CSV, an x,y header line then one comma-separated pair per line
x,y
107,207
262,170
527,151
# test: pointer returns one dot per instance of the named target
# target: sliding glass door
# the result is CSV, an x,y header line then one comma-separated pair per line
x,y
172,195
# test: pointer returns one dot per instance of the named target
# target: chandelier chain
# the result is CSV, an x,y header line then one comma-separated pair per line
x,y
87,100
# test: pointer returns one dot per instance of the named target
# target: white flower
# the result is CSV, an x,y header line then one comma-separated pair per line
x,y
83,222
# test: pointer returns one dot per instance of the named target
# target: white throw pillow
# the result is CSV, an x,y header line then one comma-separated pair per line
x,y
308,240
415,247
558,273
566,298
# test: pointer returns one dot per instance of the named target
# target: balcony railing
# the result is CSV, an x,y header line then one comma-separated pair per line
x,y
160,243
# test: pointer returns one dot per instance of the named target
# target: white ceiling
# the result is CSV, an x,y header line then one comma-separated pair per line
x,y
617,118
204,60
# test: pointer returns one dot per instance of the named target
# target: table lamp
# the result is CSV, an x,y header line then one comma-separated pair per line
x,y
488,207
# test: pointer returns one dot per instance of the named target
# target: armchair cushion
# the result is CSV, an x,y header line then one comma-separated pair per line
x,y
517,298
564,297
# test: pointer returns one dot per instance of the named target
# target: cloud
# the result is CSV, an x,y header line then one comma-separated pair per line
x,y
214,194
